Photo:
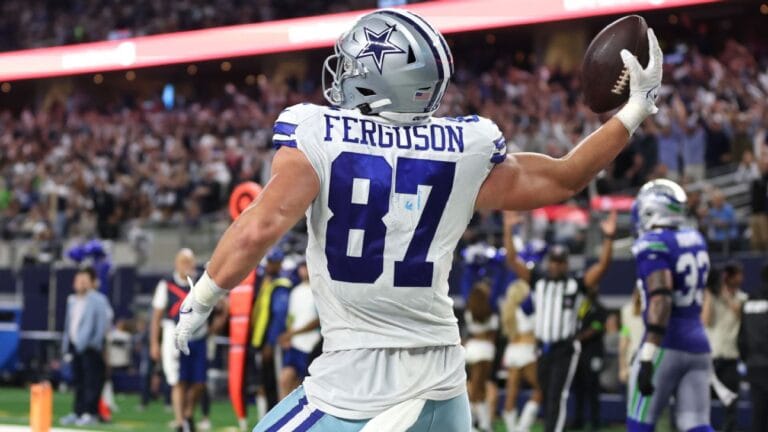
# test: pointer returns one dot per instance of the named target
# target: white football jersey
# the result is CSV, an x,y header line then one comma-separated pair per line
x,y
394,201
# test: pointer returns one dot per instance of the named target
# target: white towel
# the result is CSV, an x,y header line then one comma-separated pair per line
x,y
398,418
726,396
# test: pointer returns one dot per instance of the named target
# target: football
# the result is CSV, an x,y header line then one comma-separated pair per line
x,y
605,80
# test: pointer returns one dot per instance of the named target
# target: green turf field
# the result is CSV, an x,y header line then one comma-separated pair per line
x,y
14,410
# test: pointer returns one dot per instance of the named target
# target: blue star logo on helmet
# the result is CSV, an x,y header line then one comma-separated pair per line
x,y
378,46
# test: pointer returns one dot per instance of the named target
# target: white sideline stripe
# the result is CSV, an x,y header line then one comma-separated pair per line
x,y
9,428
564,395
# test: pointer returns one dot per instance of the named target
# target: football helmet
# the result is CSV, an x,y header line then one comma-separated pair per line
x,y
391,63
660,203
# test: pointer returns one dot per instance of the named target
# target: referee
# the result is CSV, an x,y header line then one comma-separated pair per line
x,y
556,295
753,346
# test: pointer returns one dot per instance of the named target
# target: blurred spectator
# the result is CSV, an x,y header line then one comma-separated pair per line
x,y
753,347
669,140
185,373
748,168
303,334
694,149
519,358
87,320
270,312
743,139
721,315
119,340
718,142
758,218
482,324
44,248
722,230
208,192
632,330
609,377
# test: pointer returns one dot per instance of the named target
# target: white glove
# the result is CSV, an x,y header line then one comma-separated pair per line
x,y
644,85
195,309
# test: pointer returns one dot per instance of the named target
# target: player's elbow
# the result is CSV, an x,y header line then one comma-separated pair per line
x,y
570,187
556,193
258,234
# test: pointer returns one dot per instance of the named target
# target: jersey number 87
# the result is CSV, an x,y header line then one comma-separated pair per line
x,y
360,216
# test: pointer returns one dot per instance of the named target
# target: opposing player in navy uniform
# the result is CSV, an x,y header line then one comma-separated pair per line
x,y
674,357
388,191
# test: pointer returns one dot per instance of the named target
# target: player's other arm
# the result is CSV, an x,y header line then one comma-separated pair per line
x,y
624,354
527,180
159,302
596,271
659,285
512,219
282,203
290,191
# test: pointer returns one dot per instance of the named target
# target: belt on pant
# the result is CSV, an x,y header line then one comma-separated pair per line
x,y
547,347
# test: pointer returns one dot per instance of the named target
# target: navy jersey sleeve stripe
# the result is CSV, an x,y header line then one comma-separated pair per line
x,y
498,158
284,128
500,143
280,143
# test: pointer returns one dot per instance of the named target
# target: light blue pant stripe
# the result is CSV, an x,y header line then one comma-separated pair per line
x,y
450,415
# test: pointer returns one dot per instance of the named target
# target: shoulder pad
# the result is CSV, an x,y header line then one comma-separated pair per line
x,y
492,133
650,242
284,130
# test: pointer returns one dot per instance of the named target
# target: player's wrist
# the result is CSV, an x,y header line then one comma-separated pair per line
x,y
633,113
206,293
648,351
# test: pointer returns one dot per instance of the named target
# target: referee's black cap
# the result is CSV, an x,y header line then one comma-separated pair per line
x,y
558,252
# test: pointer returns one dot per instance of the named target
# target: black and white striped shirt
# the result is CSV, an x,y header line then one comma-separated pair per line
x,y
555,303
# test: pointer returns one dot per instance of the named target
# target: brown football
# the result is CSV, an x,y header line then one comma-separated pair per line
x,y
603,76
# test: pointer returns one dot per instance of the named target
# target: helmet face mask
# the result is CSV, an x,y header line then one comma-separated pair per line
x,y
660,203
339,67
392,63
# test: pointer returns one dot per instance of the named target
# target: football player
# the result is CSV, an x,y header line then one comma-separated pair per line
x,y
673,359
388,191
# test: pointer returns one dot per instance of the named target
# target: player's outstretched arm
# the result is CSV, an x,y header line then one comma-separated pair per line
x,y
596,271
282,203
659,285
527,180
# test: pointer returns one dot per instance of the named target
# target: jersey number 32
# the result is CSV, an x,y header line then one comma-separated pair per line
x,y
694,269
360,187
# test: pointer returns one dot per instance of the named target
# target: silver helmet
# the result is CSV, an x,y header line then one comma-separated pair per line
x,y
392,63
660,203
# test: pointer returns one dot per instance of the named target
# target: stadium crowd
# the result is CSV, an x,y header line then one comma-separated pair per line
x,y
81,168
39,23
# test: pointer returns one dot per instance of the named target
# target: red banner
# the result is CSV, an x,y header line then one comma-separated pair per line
x,y
450,16
612,202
